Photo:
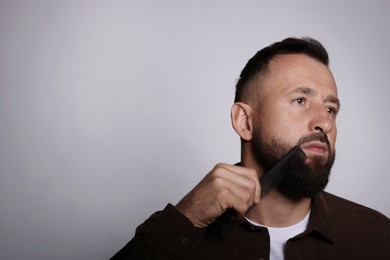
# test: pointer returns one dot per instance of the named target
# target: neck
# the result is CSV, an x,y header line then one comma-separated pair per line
x,y
275,210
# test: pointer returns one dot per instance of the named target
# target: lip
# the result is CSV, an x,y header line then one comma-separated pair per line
x,y
317,148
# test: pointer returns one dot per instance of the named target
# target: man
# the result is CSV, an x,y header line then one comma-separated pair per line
x,y
286,96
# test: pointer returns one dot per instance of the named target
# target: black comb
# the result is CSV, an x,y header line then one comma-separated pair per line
x,y
275,175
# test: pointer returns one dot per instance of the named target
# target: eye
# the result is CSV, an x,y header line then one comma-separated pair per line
x,y
300,101
332,110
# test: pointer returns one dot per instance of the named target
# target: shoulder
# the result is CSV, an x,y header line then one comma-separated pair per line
x,y
343,209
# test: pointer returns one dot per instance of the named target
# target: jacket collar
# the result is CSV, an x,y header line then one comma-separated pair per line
x,y
320,218
319,221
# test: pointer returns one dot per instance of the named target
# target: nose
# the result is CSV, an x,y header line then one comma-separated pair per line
x,y
321,121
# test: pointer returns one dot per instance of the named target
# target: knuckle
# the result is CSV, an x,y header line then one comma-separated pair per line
x,y
222,193
222,200
218,182
218,169
219,166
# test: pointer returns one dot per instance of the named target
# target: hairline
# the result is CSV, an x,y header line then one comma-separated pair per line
x,y
305,46
255,84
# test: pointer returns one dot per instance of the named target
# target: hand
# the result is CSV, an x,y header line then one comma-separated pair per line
x,y
225,187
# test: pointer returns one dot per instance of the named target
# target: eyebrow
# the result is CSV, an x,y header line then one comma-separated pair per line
x,y
334,100
311,92
304,90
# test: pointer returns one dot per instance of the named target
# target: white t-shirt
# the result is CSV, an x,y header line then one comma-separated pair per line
x,y
279,236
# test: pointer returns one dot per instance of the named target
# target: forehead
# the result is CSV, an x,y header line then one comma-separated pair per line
x,y
297,70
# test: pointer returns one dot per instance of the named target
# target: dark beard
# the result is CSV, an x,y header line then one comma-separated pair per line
x,y
303,179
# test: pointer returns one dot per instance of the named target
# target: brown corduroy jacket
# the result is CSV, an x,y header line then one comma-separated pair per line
x,y
337,229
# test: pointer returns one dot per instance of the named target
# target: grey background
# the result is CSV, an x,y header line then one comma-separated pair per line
x,y
111,109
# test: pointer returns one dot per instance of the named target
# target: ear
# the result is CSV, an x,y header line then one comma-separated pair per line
x,y
241,116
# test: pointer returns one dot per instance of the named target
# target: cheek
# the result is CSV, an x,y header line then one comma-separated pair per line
x,y
282,128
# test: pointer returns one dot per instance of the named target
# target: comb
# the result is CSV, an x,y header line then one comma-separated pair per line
x,y
275,175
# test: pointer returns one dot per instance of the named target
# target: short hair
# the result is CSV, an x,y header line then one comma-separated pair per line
x,y
259,62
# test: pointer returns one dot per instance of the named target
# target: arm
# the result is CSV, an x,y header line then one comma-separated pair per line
x,y
175,231
165,235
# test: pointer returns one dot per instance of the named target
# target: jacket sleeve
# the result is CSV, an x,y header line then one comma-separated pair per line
x,y
167,234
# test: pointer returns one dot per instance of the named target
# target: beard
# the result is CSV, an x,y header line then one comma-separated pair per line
x,y
302,179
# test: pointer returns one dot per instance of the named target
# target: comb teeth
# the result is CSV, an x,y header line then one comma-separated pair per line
x,y
275,175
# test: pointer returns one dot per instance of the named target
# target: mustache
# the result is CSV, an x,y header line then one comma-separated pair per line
x,y
315,137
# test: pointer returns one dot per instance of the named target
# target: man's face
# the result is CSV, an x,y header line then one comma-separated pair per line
x,y
298,105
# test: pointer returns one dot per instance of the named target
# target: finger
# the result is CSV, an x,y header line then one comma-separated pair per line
x,y
237,192
248,173
236,168
238,199
247,182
